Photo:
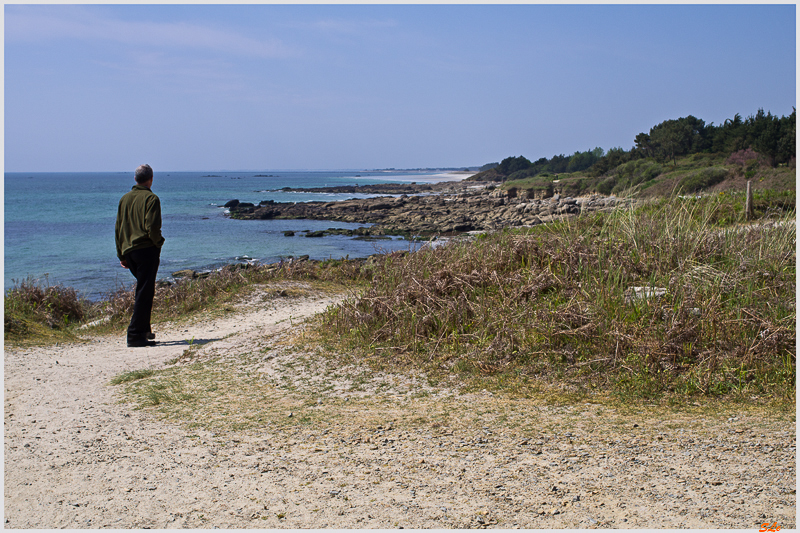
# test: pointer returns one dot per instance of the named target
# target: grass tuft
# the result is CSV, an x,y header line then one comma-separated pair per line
x,y
133,375
33,308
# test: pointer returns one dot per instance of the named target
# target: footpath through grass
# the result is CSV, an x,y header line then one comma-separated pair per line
x,y
662,299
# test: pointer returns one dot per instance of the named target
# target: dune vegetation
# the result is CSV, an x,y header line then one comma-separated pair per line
x,y
665,297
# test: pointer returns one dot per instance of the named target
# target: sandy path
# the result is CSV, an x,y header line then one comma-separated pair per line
x,y
75,457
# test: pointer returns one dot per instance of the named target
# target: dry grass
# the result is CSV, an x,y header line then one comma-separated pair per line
x,y
33,309
36,313
553,304
186,297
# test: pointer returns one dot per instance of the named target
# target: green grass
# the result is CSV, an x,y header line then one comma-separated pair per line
x,y
133,375
154,388
541,183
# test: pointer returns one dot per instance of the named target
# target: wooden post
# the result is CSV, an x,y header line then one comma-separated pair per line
x,y
748,204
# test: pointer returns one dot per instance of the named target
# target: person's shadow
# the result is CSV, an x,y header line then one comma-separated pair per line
x,y
188,342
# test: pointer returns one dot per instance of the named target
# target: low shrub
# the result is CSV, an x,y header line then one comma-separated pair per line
x,y
633,173
702,179
639,171
607,185
742,157
521,175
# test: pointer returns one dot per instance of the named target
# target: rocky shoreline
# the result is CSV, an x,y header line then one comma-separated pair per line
x,y
424,210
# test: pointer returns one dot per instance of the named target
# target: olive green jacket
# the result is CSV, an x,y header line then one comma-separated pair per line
x,y
138,221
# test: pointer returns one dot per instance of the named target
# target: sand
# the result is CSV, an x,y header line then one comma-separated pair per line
x,y
78,457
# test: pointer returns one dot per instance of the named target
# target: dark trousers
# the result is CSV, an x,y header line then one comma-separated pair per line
x,y
143,264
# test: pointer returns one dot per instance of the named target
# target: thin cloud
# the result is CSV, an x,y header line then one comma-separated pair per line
x,y
31,25
348,26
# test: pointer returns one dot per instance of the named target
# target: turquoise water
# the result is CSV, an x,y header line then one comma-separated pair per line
x,y
59,227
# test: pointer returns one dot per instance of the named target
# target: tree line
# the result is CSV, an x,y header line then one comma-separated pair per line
x,y
770,136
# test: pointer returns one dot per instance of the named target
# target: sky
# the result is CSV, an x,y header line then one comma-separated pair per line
x,y
291,87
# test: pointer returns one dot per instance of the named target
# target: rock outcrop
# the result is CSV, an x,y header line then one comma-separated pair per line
x,y
455,207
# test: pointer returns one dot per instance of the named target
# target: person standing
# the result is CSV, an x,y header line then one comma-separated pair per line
x,y
138,237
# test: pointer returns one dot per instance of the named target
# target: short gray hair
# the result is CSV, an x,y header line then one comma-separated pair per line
x,y
143,174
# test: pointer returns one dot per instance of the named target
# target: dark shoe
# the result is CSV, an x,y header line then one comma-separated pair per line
x,y
151,336
140,344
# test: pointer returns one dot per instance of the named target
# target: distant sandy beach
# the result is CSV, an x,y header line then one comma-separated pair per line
x,y
436,178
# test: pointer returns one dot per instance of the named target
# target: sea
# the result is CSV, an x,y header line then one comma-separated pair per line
x,y
59,226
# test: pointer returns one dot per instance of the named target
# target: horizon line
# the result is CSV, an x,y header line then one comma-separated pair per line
x,y
388,169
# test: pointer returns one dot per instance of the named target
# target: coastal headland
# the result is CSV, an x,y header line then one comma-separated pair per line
x,y
445,208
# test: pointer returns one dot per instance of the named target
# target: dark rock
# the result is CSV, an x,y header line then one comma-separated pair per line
x,y
186,273
288,233
455,209
340,231
232,203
